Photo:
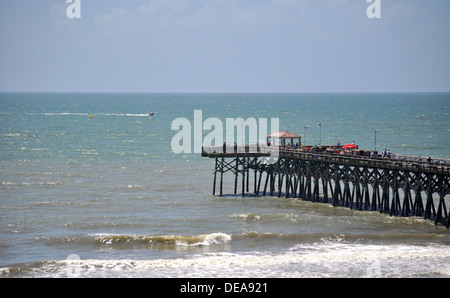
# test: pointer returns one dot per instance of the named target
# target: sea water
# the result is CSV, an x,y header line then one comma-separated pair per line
x,y
90,187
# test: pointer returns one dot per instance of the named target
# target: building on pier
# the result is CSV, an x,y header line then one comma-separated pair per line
x,y
282,136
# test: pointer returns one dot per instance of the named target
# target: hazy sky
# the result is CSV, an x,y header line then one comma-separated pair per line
x,y
225,46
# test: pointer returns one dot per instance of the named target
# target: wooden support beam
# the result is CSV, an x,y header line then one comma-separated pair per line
x,y
215,175
236,172
418,204
221,178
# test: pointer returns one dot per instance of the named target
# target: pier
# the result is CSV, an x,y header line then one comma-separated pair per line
x,y
400,186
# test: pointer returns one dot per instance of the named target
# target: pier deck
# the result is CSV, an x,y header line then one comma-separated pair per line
x,y
355,180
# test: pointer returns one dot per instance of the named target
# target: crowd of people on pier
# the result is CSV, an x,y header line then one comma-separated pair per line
x,y
387,154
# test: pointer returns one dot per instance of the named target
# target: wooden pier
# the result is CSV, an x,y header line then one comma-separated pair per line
x,y
397,186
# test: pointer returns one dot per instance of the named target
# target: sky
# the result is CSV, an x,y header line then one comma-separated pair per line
x,y
225,46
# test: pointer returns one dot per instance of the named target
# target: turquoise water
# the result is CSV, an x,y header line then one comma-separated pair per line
x,y
109,189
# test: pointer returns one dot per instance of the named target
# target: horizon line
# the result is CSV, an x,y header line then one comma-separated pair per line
x,y
225,92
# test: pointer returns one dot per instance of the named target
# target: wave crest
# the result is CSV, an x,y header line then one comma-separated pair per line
x,y
162,242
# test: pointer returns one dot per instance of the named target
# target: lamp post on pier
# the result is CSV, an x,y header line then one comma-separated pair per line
x,y
320,133
376,130
305,134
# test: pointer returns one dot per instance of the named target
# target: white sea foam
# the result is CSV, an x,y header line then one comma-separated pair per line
x,y
321,260
335,261
215,238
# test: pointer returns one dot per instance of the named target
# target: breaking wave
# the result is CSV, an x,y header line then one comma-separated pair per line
x,y
167,242
318,260
243,240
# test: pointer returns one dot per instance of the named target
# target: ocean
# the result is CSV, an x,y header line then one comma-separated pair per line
x,y
90,187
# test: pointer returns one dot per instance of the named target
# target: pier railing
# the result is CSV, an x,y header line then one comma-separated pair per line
x,y
402,163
